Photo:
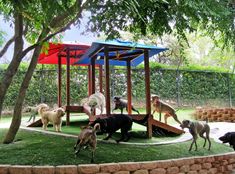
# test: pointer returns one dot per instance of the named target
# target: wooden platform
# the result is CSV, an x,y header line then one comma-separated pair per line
x,y
157,125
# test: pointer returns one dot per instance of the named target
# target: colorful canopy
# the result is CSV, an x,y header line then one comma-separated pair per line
x,y
52,51
119,52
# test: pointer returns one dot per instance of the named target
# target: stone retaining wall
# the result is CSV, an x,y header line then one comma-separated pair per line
x,y
216,114
217,164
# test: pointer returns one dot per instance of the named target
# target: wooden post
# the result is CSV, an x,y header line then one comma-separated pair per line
x,y
129,86
147,93
107,84
101,78
93,75
68,86
89,80
59,102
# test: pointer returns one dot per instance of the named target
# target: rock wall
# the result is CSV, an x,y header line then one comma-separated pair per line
x,y
217,164
216,114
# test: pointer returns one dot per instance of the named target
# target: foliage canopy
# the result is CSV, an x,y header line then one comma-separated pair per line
x,y
160,17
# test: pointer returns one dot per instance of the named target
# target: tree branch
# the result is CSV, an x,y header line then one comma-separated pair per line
x,y
7,45
67,26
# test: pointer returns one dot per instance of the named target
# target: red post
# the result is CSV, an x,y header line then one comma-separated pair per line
x,y
147,92
59,102
107,84
89,80
101,78
93,75
68,86
129,86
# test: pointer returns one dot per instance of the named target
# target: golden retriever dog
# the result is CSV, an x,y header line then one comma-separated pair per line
x,y
55,117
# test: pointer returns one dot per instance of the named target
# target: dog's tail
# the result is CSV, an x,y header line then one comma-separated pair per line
x,y
144,120
96,127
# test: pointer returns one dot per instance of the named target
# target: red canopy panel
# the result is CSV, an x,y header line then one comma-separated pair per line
x,y
52,51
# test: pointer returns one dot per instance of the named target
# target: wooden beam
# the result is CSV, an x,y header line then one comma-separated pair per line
x,y
101,78
89,80
107,82
68,86
59,101
93,75
147,92
129,86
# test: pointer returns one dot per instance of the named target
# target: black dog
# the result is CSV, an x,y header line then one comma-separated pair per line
x,y
229,138
121,104
112,123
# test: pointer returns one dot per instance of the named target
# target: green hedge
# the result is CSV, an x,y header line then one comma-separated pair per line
x,y
185,87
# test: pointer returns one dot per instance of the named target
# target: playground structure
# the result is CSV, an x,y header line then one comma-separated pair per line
x,y
103,55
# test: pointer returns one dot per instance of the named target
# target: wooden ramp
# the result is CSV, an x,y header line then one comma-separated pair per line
x,y
37,123
157,124
159,128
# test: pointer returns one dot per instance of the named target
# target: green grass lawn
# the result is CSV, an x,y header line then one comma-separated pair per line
x,y
33,148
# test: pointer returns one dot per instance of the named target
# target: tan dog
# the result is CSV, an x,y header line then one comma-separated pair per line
x,y
162,107
196,128
86,138
52,116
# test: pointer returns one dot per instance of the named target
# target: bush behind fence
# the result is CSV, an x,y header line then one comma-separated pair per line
x,y
183,88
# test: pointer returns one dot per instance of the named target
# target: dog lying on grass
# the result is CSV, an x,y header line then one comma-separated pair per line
x,y
34,110
162,107
196,128
229,137
112,123
96,100
121,104
86,138
55,117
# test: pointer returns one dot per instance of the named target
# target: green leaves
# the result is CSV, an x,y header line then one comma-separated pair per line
x,y
161,17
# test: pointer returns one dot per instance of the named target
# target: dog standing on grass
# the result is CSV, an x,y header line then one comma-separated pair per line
x,y
111,124
34,110
55,117
86,138
162,107
96,100
121,104
196,128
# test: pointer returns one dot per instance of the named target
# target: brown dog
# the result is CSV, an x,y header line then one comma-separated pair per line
x,y
86,138
162,107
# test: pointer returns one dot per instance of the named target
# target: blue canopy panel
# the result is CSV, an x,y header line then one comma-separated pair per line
x,y
119,53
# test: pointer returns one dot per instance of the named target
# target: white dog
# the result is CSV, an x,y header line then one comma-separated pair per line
x,y
96,100
52,116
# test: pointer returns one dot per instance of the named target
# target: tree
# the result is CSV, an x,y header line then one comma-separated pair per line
x,y
48,20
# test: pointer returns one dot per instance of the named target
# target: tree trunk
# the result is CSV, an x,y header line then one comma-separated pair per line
x,y
13,66
16,120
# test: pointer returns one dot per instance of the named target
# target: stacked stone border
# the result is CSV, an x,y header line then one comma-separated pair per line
x,y
216,114
216,164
